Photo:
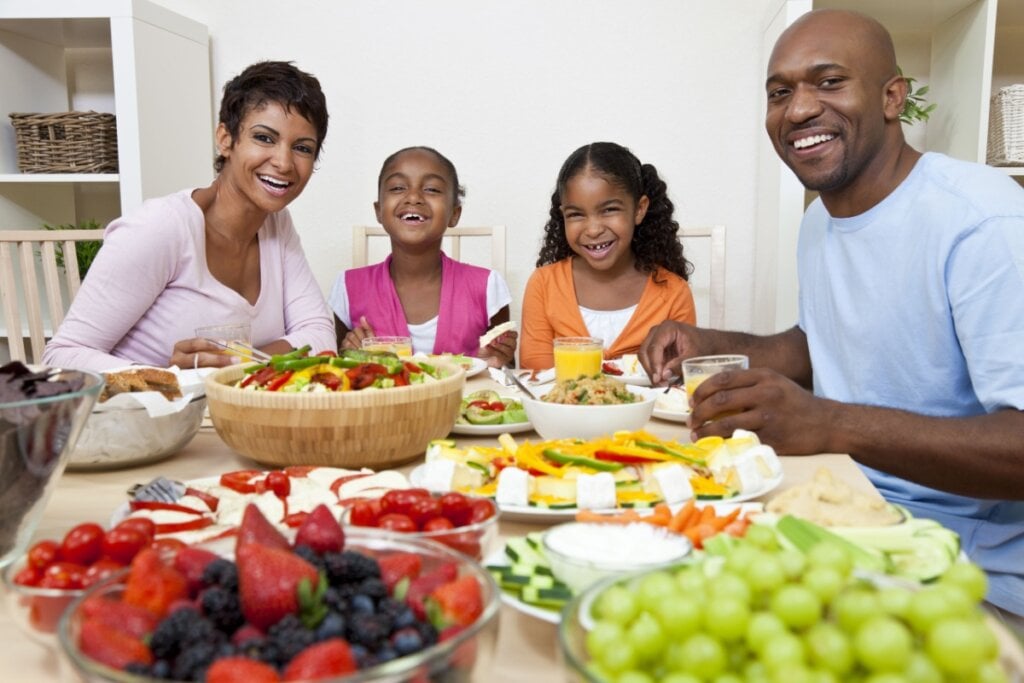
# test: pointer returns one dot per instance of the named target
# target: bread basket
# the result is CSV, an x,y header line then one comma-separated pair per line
x,y
375,428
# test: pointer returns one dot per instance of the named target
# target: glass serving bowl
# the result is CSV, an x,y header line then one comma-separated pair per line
x,y
35,610
37,436
463,657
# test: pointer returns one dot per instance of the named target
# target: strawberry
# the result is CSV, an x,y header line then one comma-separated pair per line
x,y
191,562
153,585
458,602
398,566
256,529
240,670
110,646
326,659
321,531
268,583
422,586
130,619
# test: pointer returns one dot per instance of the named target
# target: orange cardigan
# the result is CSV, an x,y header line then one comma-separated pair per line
x,y
551,309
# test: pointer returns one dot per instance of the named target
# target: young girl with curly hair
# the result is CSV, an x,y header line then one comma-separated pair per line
x,y
611,265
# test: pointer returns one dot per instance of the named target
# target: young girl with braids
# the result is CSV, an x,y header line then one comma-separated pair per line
x,y
611,264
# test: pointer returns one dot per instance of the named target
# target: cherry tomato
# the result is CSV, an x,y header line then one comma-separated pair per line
x,y
99,570
63,575
28,576
480,509
398,501
279,483
437,524
240,480
121,543
364,513
141,524
328,354
167,548
423,510
467,543
43,554
396,522
455,507
83,544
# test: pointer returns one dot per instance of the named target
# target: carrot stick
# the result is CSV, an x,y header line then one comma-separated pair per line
x,y
723,521
707,513
661,516
625,517
681,518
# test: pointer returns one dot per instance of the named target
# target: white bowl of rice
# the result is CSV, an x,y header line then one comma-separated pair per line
x,y
585,420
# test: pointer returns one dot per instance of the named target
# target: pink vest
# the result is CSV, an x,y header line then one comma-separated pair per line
x,y
462,314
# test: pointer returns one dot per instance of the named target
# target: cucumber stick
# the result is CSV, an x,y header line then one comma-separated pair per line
x,y
528,574
805,535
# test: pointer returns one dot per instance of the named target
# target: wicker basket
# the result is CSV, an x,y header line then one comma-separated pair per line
x,y
68,142
1006,127
369,428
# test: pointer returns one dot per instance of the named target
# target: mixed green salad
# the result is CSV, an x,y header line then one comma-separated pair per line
x,y
487,407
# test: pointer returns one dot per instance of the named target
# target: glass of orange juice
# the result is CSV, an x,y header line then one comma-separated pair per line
x,y
400,346
575,356
234,338
699,368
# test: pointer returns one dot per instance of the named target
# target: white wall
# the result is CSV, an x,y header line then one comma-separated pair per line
x,y
507,90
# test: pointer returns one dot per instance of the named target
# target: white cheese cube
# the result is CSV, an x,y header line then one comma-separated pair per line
x,y
766,459
438,475
674,483
749,476
595,491
513,487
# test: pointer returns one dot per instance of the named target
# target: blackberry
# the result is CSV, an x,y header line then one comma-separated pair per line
x,y
137,668
192,663
361,655
311,556
161,669
384,654
221,572
398,612
350,567
175,632
374,588
333,626
336,599
407,640
288,638
222,608
367,629
427,632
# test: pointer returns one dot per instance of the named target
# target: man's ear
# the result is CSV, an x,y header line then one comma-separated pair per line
x,y
894,95
456,215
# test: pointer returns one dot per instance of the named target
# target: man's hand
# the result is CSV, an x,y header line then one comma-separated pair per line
x,y
665,347
784,415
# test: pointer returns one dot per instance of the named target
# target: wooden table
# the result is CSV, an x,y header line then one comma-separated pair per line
x,y
527,648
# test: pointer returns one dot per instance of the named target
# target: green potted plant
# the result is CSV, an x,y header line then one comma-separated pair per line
x,y
914,107
85,252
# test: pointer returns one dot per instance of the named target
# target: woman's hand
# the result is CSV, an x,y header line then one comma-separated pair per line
x,y
200,353
501,351
354,338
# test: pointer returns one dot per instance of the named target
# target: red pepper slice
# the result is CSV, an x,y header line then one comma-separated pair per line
x,y
401,379
337,483
259,377
280,380
241,480
328,379
191,525
609,456
210,500
158,505
412,367
610,369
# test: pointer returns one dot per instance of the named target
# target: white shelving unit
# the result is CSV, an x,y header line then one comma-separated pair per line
x,y
963,49
147,65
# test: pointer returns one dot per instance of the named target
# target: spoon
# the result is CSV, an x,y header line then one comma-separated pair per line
x,y
522,387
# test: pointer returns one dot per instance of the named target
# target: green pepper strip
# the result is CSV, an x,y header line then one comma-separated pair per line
x,y
346,362
581,460
300,363
668,451
291,355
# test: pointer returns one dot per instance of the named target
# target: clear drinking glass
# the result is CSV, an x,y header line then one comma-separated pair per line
x,y
576,356
231,335
698,369
400,346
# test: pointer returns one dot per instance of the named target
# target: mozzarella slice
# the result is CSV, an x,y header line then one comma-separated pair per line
x,y
513,487
438,475
595,491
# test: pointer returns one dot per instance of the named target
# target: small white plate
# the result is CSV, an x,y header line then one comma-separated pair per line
x,y
500,559
670,415
478,366
491,430
640,379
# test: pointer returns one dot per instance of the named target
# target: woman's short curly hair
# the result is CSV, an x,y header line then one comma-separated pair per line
x,y
655,241
265,82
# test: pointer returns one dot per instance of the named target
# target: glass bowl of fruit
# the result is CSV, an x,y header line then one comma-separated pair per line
x,y
341,605
468,524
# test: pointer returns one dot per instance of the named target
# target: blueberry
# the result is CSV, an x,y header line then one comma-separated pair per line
x,y
362,604
406,641
333,626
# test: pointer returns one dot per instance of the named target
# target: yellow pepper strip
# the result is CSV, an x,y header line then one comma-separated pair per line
x,y
637,497
529,458
705,486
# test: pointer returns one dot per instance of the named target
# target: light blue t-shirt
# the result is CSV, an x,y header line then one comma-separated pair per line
x,y
918,304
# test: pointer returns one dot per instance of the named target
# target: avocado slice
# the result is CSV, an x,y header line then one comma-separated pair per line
x,y
480,416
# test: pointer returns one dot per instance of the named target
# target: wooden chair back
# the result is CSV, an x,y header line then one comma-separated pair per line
x,y
715,266
27,311
361,235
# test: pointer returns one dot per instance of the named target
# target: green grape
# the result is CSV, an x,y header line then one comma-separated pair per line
x,y
761,627
828,554
634,676
680,617
991,672
740,558
729,585
765,573
617,604
603,635
792,673
895,601
656,588
679,677
646,636
703,656
782,649
825,582
726,618
883,644
821,676
692,581
921,669
797,606
969,577
617,658
928,606
887,677
957,646
957,600
853,607
793,563
829,648
724,678
597,671
762,536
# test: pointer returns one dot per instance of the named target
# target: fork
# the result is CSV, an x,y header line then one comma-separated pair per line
x,y
160,490
673,382
241,349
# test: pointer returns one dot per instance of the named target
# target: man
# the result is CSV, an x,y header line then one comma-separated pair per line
x,y
911,325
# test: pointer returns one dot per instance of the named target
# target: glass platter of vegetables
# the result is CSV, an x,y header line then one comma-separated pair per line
x,y
352,370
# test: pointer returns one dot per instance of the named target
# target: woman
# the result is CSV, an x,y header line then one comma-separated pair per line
x,y
227,253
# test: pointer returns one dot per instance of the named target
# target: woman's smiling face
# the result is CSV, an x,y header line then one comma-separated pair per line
x,y
599,220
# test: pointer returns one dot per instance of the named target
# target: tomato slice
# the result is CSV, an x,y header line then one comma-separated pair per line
x,y
610,369
340,481
280,380
210,499
191,525
241,480
158,505
329,380
299,471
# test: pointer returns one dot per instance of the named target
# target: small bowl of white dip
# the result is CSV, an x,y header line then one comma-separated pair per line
x,y
582,553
